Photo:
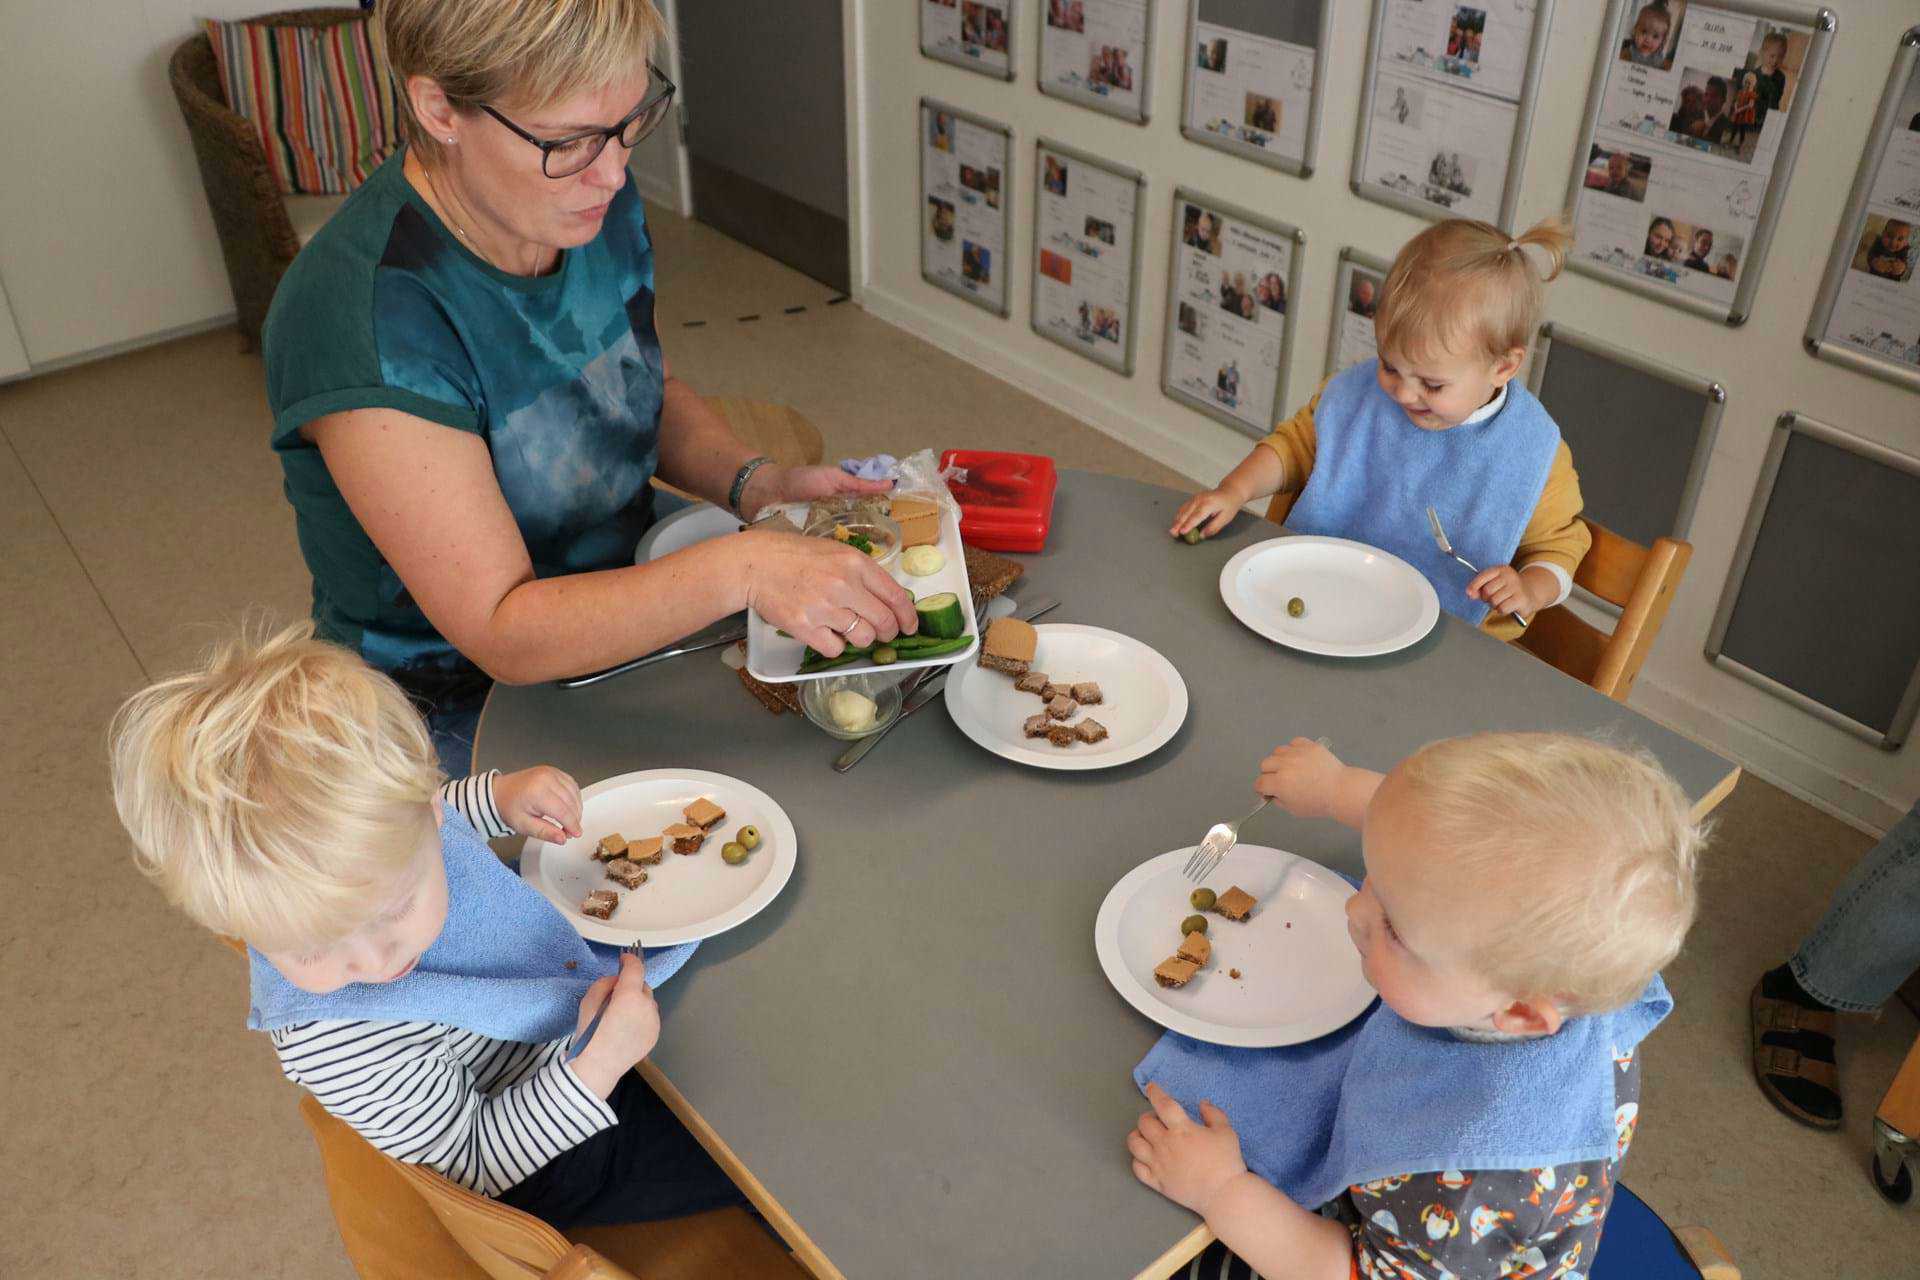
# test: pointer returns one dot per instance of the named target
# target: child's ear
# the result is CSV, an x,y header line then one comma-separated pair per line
x,y
1534,1016
1508,365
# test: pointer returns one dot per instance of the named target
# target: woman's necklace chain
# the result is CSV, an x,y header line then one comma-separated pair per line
x,y
446,211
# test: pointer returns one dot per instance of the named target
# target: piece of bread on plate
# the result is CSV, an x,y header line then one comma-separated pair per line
x,y
1175,972
1009,646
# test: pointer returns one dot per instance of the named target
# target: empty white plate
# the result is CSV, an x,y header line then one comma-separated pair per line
x,y
683,529
686,896
1359,601
1299,973
1143,699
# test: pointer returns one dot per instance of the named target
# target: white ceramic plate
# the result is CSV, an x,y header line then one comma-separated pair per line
x,y
686,896
775,659
1299,973
1360,601
684,528
1144,700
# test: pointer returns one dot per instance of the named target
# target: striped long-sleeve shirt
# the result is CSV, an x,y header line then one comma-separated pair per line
x,y
485,1113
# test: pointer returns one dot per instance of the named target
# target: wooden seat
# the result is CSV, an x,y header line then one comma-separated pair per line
x,y
779,431
1641,582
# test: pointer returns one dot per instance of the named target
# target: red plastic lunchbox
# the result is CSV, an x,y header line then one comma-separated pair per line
x,y
1006,499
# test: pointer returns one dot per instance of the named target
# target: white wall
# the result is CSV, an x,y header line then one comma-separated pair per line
x,y
1762,364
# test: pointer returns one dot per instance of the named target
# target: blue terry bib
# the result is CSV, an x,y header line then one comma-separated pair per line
x,y
1375,474
507,964
1382,1098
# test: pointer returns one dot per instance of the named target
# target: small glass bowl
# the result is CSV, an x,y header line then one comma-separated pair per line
x,y
883,533
881,686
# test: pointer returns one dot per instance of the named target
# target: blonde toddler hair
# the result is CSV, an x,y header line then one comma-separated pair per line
x,y
1585,854
520,51
1462,288
279,791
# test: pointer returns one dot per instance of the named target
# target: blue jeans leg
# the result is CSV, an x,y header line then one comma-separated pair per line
x,y
452,733
1868,943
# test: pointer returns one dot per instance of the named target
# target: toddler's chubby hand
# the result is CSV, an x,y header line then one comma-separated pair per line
x,y
1209,512
541,802
1184,1161
1504,589
1302,777
628,1030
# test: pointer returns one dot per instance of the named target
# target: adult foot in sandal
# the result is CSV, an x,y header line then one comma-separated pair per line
x,y
1793,1050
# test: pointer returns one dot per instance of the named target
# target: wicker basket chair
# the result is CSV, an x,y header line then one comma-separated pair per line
x,y
257,236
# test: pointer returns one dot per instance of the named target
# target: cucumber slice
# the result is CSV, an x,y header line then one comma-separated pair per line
x,y
940,616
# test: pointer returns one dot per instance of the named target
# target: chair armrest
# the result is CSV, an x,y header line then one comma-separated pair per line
x,y
582,1263
1707,1253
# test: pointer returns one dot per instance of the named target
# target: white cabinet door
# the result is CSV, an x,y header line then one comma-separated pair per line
x,y
13,353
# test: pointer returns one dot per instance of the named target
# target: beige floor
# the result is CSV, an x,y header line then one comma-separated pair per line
x,y
145,1133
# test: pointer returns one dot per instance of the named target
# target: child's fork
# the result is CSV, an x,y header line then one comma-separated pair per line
x,y
1446,549
593,1023
1221,837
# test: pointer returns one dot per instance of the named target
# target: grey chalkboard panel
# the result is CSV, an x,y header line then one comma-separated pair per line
x,y
1295,21
1641,432
1822,606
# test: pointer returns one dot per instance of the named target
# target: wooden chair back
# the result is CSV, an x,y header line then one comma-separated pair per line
x,y
1282,504
1641,582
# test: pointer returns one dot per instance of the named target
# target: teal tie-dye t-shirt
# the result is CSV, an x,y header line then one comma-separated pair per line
x,y
560,375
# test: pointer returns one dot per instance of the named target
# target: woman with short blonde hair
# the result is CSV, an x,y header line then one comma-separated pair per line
x,y
470,398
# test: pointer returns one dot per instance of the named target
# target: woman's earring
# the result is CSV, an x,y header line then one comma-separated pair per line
x,y
449,139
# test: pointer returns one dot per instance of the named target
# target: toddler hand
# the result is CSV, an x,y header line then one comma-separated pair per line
x,y
629,1026
1504,589
1209,512
541,802
1302,777
1187,1163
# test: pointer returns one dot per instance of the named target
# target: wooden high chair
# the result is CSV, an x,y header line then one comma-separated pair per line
x,y
780,431
1641,582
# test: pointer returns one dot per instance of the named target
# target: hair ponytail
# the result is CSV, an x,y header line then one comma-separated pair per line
x,y
1553,237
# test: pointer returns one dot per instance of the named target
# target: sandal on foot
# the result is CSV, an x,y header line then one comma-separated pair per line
x,y
1793,1060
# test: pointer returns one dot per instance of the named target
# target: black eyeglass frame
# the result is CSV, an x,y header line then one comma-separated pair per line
x,y
654,102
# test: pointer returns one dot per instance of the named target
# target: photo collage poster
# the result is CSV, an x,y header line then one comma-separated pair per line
x,y
1228,312
1695,103
1877,310
1096,51
1446,101
973,33
963,241
1253,85
1086,224
1357,291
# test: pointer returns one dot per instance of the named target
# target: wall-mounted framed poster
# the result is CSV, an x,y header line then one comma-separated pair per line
x,y
1086,254
1231,297
1099,53
966,204
1357,284
1256,74
1694,119
975,34
1867,314
1447,105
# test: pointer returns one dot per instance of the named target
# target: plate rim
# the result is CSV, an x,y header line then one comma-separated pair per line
x,y
1236,605
1179,707
786,855
642,551
1106,942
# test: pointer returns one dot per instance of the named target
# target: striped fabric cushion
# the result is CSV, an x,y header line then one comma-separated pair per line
x,y
322,103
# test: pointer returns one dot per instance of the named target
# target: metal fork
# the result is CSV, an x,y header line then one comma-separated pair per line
x,y
1446,549
1221,837
593,1023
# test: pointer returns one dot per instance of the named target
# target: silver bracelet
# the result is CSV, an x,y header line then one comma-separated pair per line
x,y
740,478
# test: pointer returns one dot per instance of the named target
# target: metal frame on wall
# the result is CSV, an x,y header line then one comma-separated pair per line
x,y
1095,101
1713,392
1522,124
1301,168
1184,195
1788,424
1885,124
927,105
974,64
1823,23
1041,147
1350,258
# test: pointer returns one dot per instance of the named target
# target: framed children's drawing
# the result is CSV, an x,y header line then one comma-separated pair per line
x,y
1694,119
1099,53
1235,280
966,199
1357,283
1867,314
1086,254
1819,604
1256,72
1447,104
975,34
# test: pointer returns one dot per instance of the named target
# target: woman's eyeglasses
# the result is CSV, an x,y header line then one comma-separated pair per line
x,y
564,157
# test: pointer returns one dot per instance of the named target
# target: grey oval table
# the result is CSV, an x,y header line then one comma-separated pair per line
x,y
911,1060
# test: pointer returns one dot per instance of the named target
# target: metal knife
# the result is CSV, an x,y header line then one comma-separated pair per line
x,y
730,636
924,692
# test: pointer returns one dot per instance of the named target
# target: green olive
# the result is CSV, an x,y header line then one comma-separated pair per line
x,y
885,655
1296,608
1193,536
733,853
1202,899
1193,924
749,838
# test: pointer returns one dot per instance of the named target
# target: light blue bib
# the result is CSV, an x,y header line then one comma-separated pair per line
x,y
1375,474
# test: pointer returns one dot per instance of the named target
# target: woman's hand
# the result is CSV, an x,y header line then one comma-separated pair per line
x,y
772,485
822,592
541,802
